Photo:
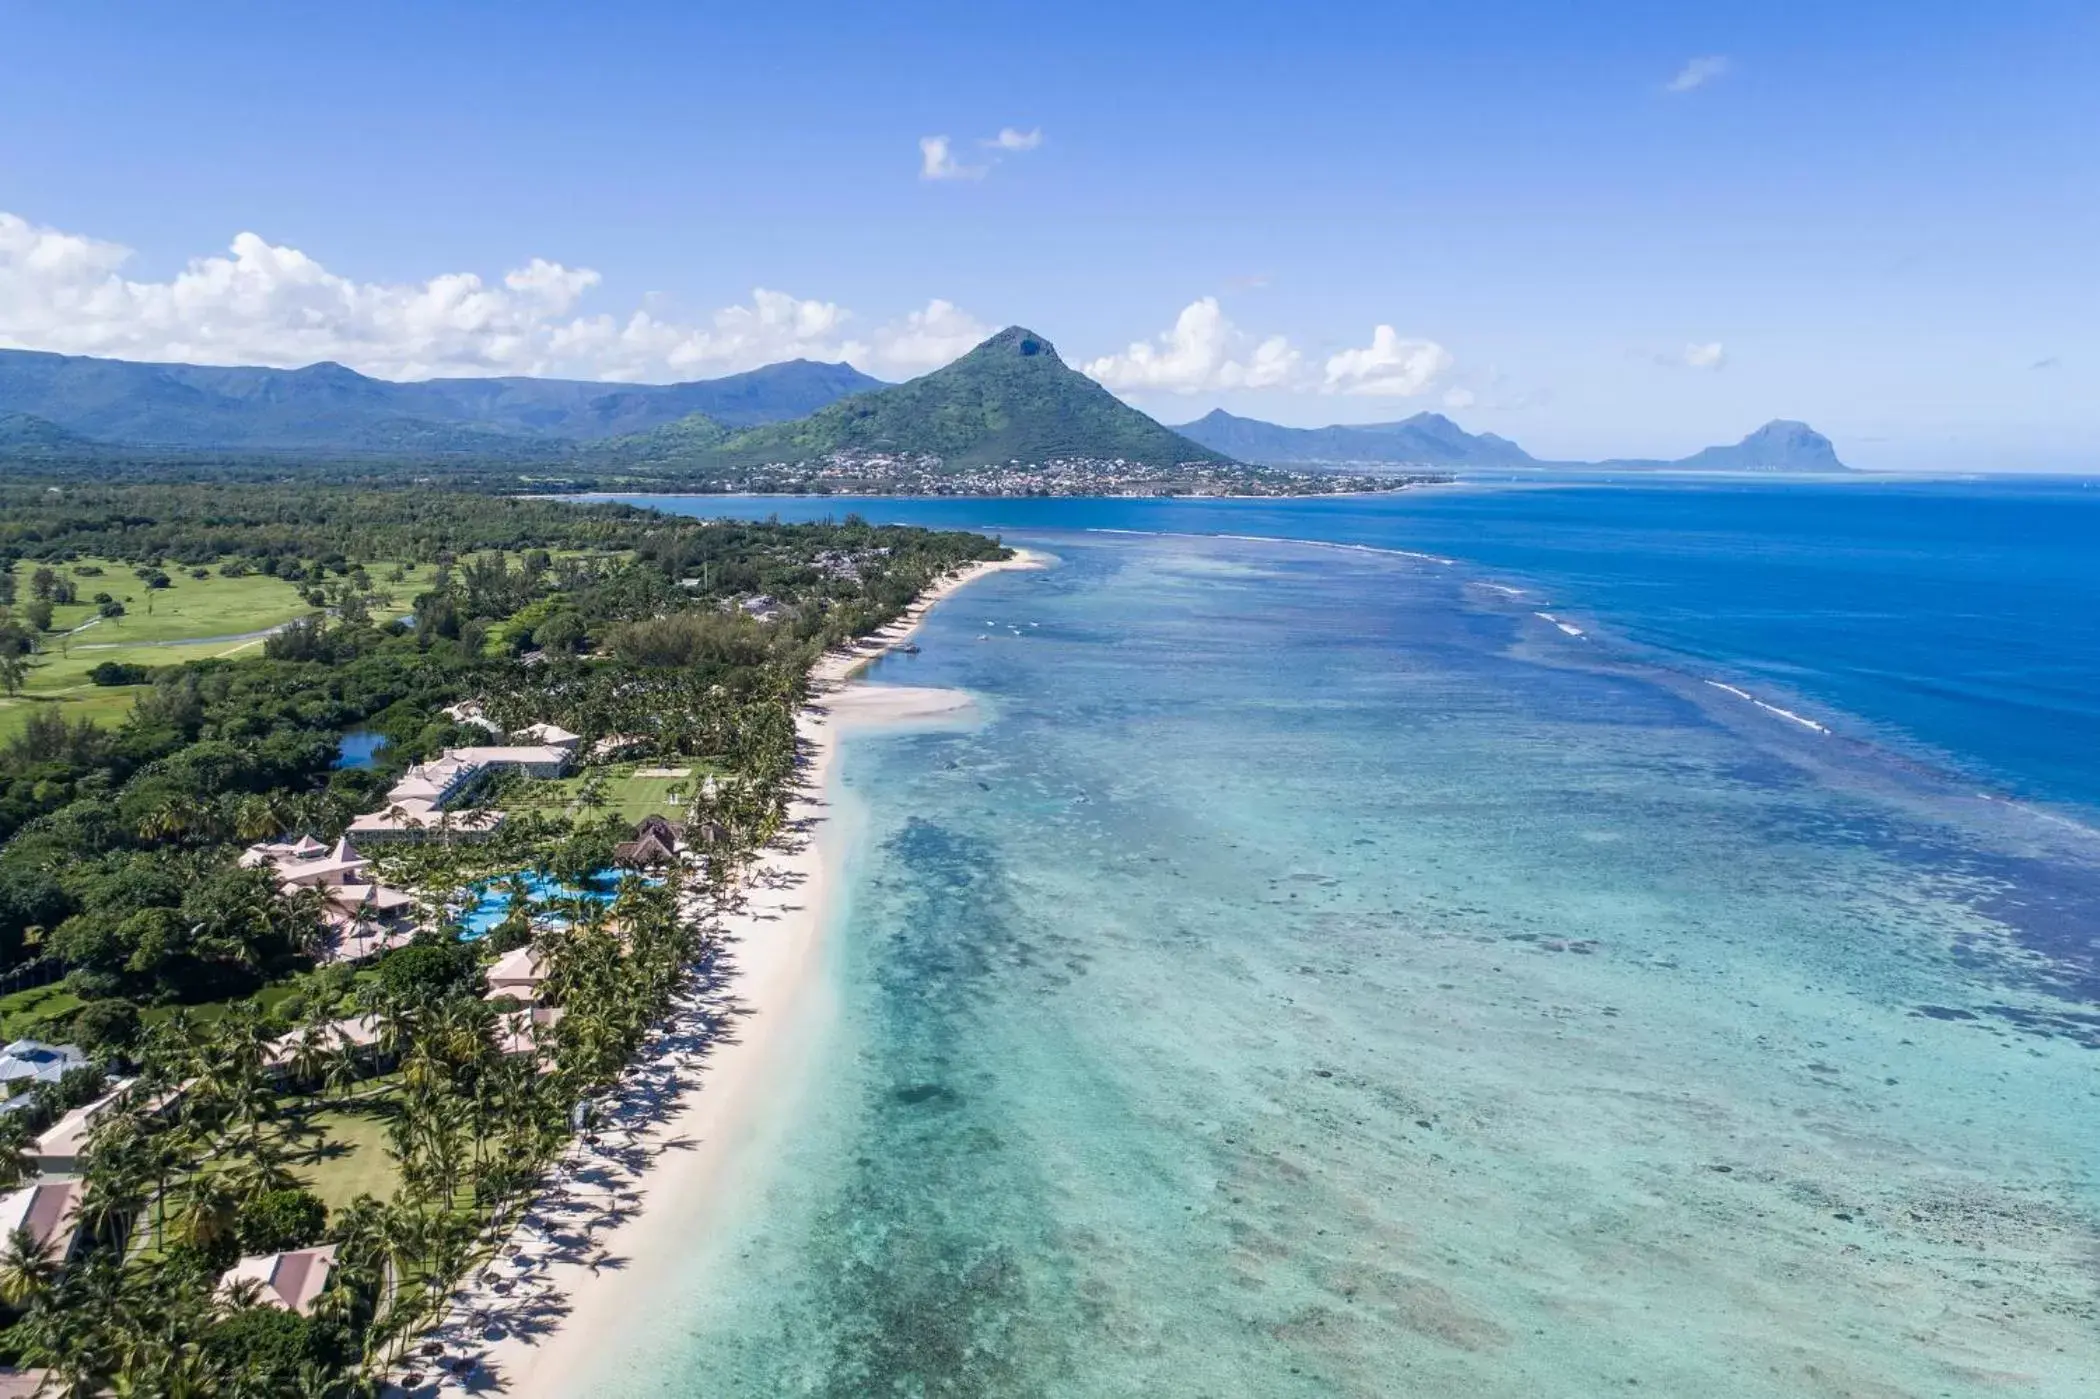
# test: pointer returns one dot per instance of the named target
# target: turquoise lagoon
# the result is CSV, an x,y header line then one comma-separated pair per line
x,y
1315,974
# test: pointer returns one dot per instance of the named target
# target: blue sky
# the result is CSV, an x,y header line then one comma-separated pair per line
x,y
1881,218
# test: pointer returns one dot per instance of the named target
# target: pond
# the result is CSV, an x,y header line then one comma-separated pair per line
x,y
359,749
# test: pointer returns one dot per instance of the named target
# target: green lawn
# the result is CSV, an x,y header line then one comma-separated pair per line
x,y
188,607
208,614
628,796
344,1151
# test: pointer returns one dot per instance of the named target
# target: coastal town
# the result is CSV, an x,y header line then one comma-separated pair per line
x,y
915,474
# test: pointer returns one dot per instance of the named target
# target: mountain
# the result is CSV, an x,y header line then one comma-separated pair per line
x,y
1431,439
1426,439
1780,445
25,434
1010,399
328,407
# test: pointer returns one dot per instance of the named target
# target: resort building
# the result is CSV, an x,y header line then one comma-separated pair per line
x,y
469,712
50,1211
421,805
518,1031
360,1032
533,759
58,1151
27,1062
655,844
518,973
554,735
363,916
293,1281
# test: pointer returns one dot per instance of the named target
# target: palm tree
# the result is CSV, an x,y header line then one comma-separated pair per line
x,y
258,818
27,1269
212,1207
17,1151
314,1048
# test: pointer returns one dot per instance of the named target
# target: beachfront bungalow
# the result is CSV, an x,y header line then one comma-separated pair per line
x,y
518,973
519,1031
50,1211
293,1281
654,845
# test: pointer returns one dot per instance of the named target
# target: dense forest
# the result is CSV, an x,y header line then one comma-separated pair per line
x,y
124,910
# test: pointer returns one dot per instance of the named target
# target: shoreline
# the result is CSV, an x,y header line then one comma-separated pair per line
x,y
693,1108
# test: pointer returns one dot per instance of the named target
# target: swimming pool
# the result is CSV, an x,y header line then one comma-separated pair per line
x,y
491,899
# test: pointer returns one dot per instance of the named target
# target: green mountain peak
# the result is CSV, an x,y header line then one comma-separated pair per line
x,y
1011,399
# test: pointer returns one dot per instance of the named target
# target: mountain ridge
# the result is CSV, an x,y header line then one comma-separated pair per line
x,y
326,406
1425,439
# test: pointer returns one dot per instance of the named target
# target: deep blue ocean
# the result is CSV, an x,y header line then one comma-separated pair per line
x,y
1956,621
1507,942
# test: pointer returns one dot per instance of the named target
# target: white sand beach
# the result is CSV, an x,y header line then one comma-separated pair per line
x,y
624,1211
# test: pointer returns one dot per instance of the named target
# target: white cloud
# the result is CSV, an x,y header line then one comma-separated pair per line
x,y
1203,351
937,161
1389,366
1697,73
1707,356
1206,352
1455,399
929,339
262,303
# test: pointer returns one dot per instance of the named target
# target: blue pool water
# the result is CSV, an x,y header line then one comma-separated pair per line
x,y
492,900
1312,973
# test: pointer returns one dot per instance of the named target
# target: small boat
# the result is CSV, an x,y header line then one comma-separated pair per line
x,y
908,649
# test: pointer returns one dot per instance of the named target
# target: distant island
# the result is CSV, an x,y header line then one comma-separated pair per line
x,y
1010,417
1433,441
